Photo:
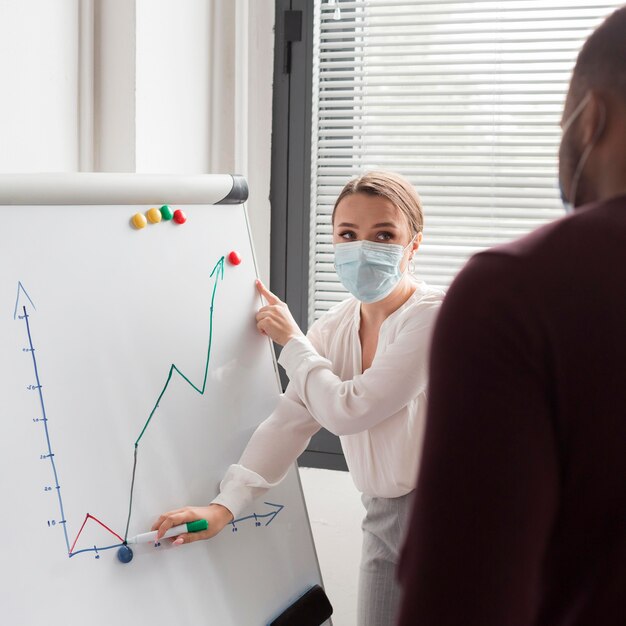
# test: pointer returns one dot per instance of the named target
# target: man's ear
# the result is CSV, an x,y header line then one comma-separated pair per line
x,y
593,119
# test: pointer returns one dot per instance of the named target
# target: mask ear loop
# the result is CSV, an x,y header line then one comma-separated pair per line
x,y
586,152
575,113
411,264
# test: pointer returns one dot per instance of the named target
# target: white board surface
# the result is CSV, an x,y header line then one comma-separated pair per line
x,y
93,314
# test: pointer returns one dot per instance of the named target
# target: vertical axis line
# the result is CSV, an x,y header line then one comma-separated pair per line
x,y
63,521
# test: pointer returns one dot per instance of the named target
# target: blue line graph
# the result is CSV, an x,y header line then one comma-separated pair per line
x,y
44,419
96,549
256,517
217,273
20,289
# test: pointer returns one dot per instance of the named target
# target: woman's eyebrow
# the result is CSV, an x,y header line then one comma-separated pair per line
x,y
379,225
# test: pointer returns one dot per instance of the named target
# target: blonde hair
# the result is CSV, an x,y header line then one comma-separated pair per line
x,y
397,189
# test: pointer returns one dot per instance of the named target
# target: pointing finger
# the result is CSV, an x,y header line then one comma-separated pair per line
x,y
266,293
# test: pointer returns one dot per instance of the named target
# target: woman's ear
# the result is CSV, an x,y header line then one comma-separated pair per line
x,y
416,242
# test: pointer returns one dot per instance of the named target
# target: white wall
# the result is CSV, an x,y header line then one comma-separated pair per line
x,y
38,86
153,86
113,76
204,95
259,132
173,86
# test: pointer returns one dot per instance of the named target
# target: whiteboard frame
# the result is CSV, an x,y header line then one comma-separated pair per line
x,y
280,390
91,189
111,189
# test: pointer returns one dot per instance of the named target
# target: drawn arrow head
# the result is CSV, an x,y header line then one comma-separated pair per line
x,y
219,266
278,507
22,295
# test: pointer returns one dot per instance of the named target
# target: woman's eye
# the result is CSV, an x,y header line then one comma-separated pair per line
x,y
348,235
384,236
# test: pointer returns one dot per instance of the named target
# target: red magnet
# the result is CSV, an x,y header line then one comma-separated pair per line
x,y
234,258
179,217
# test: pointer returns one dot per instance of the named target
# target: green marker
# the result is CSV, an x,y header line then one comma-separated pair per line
x,y
191,527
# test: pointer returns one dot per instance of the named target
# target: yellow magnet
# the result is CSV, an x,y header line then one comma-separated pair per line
x,y
139,220
154,216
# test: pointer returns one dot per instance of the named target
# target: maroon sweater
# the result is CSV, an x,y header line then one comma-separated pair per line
x,y
520,512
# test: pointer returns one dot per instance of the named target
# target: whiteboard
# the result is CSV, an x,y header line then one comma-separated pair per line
x,y
93,315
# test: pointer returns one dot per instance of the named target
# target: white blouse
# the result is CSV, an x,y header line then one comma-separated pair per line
x,y
378,414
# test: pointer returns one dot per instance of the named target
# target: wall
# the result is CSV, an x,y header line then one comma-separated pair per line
x,y
153,86
38,78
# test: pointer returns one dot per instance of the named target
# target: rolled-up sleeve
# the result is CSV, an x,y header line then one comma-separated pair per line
x,y
272,449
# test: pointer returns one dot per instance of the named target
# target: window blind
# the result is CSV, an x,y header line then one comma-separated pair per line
x,y
462,97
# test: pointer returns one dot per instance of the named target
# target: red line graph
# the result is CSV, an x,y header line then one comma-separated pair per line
x,y
95,519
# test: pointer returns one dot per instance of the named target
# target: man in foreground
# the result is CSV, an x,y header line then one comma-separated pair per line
x,y
520,510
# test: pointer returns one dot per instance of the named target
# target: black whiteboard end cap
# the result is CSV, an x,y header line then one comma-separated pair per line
x,y
311,609
239,192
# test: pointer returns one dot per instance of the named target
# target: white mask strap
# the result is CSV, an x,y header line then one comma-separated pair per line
x,y
577,111
586,152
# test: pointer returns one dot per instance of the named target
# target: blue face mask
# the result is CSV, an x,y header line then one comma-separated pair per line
x,y
369,270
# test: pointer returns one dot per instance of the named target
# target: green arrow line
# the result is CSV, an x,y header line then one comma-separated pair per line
x,y
218,272
219,268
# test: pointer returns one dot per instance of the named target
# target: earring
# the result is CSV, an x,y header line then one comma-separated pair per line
x,y
411,265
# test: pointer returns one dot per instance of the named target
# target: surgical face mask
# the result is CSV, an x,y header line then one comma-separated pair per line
x,y
569,200
567,205
369,270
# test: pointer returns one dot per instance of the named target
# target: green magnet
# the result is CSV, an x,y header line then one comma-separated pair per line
x,y
166,212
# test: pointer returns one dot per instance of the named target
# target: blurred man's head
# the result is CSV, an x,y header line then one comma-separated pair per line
x,y
592,157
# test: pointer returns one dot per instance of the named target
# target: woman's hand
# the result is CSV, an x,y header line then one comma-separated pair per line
x,y
275,319
216,515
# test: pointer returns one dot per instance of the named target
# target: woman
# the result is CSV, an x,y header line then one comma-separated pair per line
x,y
361,372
